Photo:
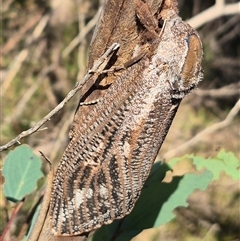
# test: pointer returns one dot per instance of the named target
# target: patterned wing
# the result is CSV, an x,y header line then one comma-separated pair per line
x,y
107,162
110,155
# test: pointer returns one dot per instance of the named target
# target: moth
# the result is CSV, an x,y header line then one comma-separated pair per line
x,y
114,142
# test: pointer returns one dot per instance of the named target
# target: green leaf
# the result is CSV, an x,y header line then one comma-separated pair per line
x,y
158,172
106,232
21,170
186,186
34,219
224,162
155,205
157,202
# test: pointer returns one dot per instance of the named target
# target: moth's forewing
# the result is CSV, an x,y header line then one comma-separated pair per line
x,y
108,160
115,141
117,23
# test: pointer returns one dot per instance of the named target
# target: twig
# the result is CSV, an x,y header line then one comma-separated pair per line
x,y
49,88
233,21
7,228
22,232
12,42
226,91
28,94
230,35
20,58
77,87
64,128
200,136
83,44
217,10
5,6
38,225
81,35
226,61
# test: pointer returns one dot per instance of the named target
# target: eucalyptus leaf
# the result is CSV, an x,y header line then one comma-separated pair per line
x,y
21,170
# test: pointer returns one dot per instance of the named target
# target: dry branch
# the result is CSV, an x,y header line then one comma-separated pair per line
x,y
5,5
21,57
206,132
220,8
96,68
11,43
64,128
224,92
10,222
73,44
28,94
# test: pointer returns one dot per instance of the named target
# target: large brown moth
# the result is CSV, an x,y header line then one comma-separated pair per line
x,y
115,141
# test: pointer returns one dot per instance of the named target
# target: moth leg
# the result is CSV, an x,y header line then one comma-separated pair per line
x,y
146,17
135,59
104,60
127,64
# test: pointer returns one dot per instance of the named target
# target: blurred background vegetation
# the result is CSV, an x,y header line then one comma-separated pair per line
x,y
44,46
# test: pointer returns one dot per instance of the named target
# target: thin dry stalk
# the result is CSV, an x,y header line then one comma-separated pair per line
x,y
28,94
21,57
206,132
220,8
96,69
80,37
